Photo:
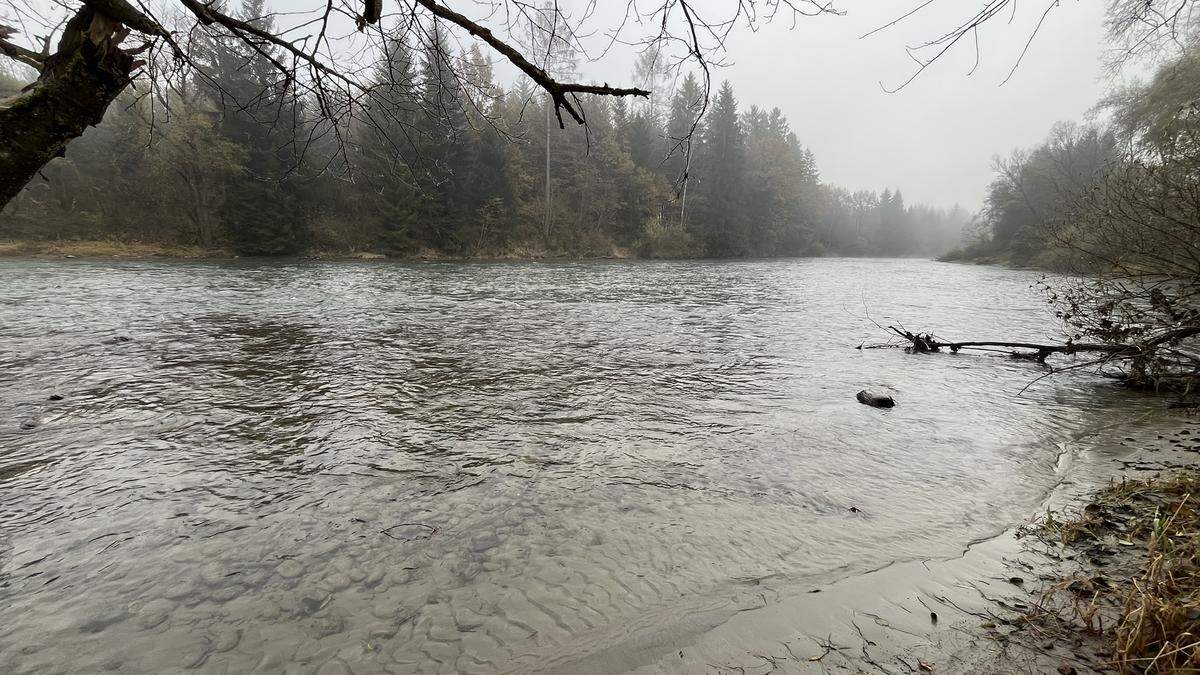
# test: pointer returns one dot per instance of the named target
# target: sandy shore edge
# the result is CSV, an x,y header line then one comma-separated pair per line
x,y
949,615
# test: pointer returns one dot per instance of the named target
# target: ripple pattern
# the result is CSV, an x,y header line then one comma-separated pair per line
x,y
505,467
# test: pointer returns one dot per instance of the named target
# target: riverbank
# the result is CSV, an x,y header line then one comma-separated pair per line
x,y
1066,592
1137,591
106,249
102,249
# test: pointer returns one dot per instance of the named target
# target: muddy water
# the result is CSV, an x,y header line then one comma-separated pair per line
x,y
487,467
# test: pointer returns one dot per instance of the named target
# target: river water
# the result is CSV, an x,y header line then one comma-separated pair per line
x,y
439,467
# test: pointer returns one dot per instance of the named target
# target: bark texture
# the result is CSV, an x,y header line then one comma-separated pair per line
x,y
77,83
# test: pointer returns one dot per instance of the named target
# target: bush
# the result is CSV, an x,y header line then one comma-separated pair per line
x,y
665,240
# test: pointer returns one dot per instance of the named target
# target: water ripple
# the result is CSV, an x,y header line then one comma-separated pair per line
x,y
481,467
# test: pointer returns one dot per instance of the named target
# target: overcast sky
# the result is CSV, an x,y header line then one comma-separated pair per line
x,y
934,139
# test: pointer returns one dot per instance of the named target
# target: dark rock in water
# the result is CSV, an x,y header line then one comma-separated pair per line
x,y
875,400
29,424
55,397
118,339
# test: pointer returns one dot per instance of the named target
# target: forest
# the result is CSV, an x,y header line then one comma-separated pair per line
x,y
1115,192
444,160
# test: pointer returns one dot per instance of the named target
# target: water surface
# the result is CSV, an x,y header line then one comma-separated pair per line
x,y
476,467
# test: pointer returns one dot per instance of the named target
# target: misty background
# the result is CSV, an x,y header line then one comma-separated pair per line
x,y
936,137
818,137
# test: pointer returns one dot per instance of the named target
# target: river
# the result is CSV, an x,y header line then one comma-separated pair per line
x,y
440,467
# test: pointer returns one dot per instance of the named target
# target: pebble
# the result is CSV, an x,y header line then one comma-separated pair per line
x,y
385,610
325,626
155,612
289,569
484,542
268,610
225,639
212,574
382,631
337,582
312,605
103,619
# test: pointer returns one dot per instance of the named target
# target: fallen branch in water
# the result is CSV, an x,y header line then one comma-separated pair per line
x,y
1039,352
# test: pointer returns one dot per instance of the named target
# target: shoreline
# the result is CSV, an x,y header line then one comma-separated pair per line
x,y
976,612
100,249
86,249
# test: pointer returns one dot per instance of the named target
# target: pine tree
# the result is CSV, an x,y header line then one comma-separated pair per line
x,y
388,142
444,143
263,208
720,217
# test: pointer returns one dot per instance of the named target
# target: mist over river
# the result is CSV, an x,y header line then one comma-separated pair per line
x,y
479,467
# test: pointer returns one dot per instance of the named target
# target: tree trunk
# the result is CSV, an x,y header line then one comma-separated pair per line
x,y
75,88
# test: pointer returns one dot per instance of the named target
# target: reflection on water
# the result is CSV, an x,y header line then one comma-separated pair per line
x,y
481,467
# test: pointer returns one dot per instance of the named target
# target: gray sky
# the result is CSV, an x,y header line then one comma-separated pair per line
x,y
934,139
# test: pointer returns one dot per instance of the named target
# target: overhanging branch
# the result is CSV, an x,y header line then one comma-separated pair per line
x,y
17,52
559,91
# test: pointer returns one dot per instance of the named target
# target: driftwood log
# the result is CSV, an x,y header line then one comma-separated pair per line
x,y
1161,360
1033,351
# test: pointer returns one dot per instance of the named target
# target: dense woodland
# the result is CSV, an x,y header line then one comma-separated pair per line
x,y
441,159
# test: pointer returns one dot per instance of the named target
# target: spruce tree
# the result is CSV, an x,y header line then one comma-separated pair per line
x,y
720,217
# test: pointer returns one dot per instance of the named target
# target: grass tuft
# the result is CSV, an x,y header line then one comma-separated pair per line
x,y
1143,537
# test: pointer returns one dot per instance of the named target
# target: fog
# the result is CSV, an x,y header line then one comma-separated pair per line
x,y
934,138
874,121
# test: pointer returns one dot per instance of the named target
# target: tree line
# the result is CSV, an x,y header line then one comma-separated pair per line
x,y
442,159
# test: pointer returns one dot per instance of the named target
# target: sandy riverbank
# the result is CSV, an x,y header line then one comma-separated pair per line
x,y
974,613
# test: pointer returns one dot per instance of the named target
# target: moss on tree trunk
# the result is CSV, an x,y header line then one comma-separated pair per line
x,y
77,83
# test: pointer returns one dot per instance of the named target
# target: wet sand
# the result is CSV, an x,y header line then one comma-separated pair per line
x,y
951,615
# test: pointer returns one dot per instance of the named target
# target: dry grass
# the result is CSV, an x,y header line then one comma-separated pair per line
x,y
1160,627
1143,538
105,249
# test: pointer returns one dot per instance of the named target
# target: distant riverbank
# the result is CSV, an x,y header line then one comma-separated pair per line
x,y
137,250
